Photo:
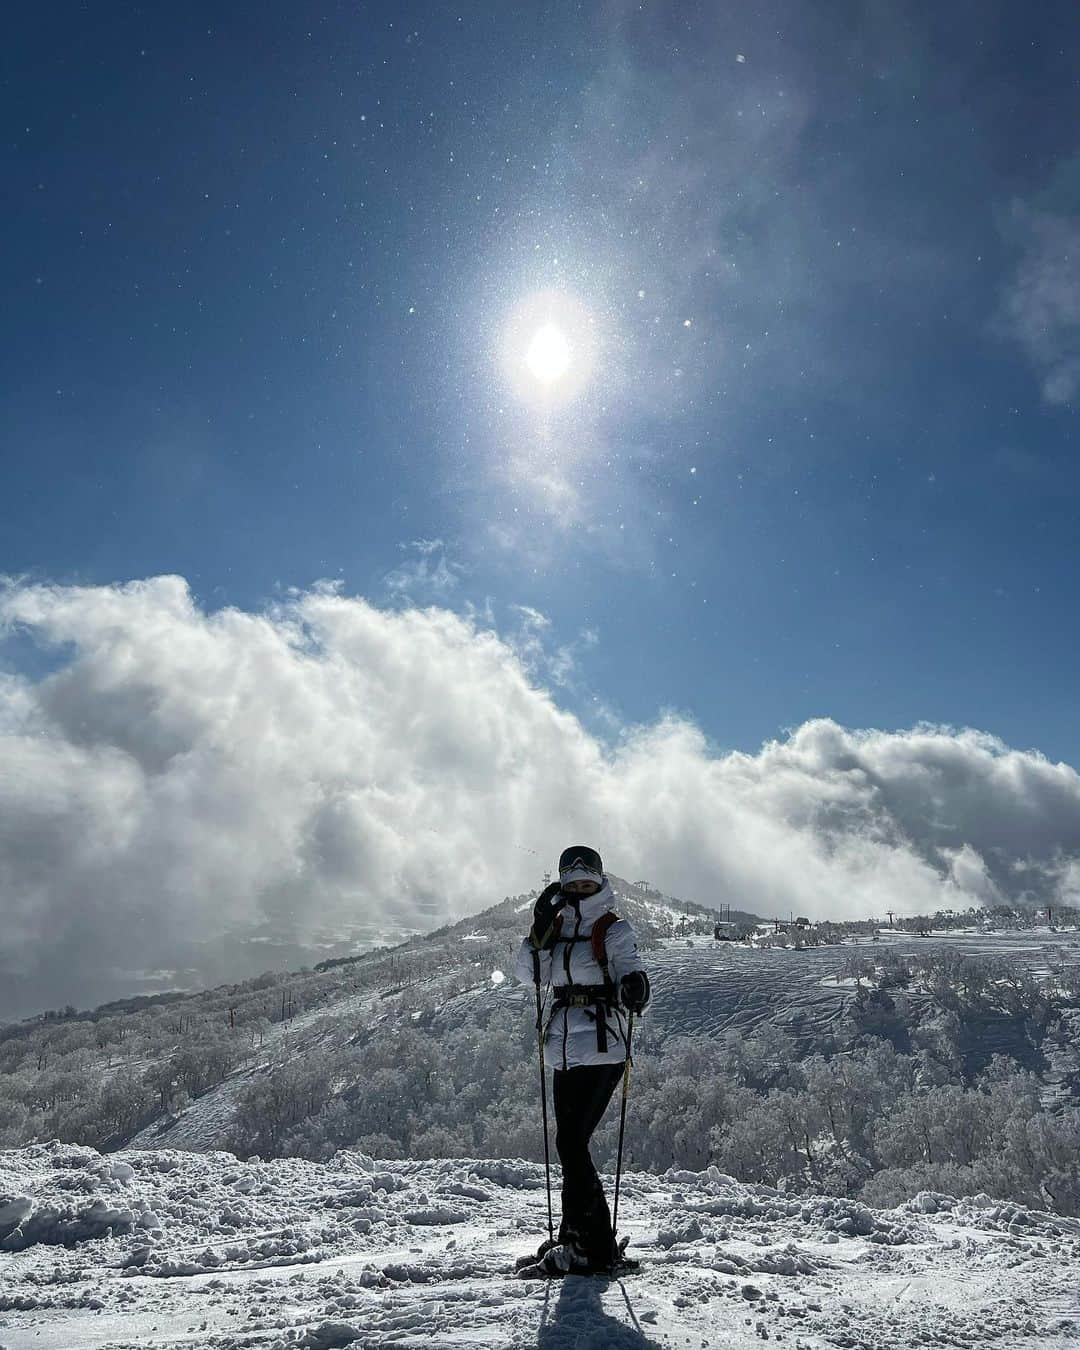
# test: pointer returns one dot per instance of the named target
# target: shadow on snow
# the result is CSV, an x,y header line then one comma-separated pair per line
x,y
578,1319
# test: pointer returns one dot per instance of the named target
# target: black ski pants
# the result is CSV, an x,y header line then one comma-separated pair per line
x,y
581,1098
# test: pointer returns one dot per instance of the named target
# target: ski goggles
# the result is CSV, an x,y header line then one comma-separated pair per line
x,y
581,866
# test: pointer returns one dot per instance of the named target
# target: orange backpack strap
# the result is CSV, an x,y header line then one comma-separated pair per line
x,y
598,938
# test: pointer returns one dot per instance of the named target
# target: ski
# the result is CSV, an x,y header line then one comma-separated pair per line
x,y
534,1258
533,1267
538,1271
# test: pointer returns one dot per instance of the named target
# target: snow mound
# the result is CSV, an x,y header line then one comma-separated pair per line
x,y
86,1199
329,1336
169,1250
510,1172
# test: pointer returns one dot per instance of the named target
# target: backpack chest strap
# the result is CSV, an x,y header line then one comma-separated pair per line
x,y
597,997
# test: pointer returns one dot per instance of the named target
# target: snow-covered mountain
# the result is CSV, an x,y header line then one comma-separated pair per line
x,y
454,978
164,1249
173,1242
441,977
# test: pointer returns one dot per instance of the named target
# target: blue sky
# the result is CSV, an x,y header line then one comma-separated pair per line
x,y
261,276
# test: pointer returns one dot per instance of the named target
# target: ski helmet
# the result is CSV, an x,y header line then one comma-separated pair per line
x,y
580,863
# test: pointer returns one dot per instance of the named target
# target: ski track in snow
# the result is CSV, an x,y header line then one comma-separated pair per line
x,y
176,1249
701,987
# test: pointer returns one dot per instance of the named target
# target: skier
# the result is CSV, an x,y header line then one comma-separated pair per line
x,y
589,957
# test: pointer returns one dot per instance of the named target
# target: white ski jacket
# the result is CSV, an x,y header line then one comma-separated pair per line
x,y
570,1037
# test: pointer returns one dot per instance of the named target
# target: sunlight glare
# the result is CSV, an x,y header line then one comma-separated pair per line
x,y
548,356
547,348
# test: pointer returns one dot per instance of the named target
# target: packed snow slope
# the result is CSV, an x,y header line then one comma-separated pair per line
x,y
167,1249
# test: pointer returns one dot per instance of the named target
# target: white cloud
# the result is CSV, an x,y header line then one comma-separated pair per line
x,y
532,620
328,764
429,574
1041,305
543,659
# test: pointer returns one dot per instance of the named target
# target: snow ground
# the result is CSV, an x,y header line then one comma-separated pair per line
x,y
159,1249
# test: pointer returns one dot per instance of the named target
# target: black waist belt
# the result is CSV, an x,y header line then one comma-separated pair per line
x,y
598,997
582,995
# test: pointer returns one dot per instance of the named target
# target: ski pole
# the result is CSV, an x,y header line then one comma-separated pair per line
x,y
622,1128
543,1090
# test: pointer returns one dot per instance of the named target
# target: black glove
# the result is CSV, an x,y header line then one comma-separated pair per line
x,y
634,991
547,906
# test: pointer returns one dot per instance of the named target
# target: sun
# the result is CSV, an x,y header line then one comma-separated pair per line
x,y
547,349
549,354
